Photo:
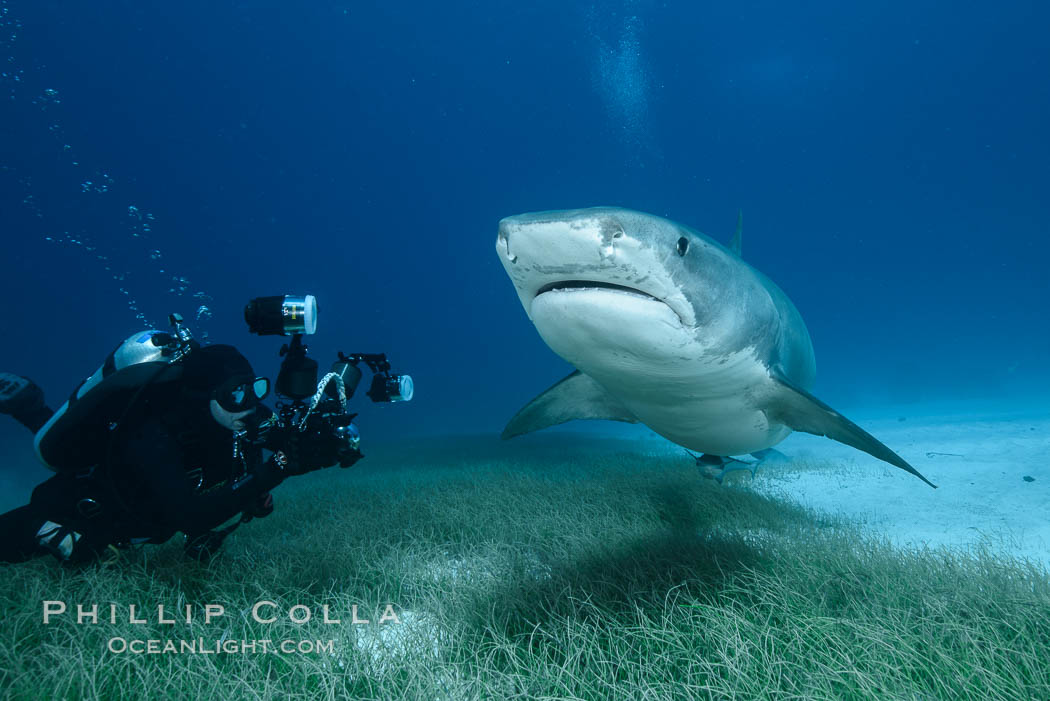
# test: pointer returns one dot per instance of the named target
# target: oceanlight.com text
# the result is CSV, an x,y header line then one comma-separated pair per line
x,y
199,646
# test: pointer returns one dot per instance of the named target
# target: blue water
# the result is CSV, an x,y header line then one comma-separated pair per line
x,y
890,160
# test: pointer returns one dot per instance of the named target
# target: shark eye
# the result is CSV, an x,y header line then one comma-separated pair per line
x,y
683,246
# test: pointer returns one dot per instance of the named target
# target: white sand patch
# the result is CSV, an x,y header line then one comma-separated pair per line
x,y
490,567
461,570
979,465
978,460
385,648
416,636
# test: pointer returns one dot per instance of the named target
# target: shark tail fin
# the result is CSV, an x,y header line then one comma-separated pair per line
x,y
575,397
801,411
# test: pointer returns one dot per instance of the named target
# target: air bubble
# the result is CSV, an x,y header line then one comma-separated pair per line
x,y
13,85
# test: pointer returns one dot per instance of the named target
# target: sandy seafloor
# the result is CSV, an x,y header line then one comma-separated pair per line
x,y
978,456
979,464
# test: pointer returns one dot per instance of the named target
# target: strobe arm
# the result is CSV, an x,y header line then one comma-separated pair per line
x,y
376,362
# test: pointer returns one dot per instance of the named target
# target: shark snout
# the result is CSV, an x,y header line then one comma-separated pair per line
x,y
576,238
542,249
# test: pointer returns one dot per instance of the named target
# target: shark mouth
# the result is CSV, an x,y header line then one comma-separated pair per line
x,y
569,285
575,286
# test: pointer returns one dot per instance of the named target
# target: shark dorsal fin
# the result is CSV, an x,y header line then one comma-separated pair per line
x,y
735,243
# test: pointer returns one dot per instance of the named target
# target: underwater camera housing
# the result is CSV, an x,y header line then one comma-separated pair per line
x,y
318,408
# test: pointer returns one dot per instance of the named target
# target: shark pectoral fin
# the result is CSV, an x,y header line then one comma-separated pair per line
x,y
575,397
801,411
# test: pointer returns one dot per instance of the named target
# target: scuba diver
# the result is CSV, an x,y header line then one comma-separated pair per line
x,y
169,436
173,464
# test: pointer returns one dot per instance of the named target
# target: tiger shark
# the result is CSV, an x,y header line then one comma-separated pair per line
x,y
666,327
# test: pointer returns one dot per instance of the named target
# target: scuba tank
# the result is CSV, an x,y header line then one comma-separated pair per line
x,y
76,437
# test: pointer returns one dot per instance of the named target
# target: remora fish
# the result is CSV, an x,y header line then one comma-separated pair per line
x,y
668,328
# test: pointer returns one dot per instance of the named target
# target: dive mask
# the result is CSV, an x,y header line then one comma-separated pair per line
x,y
239,395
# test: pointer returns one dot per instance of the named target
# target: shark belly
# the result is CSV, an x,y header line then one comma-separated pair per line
x,y
696,397
708,414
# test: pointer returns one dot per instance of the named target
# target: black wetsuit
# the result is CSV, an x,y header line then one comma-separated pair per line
x,y
166,470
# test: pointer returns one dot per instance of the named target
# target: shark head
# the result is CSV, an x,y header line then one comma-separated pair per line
x,y
612,289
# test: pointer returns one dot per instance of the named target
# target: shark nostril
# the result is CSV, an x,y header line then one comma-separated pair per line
x,y
505,240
